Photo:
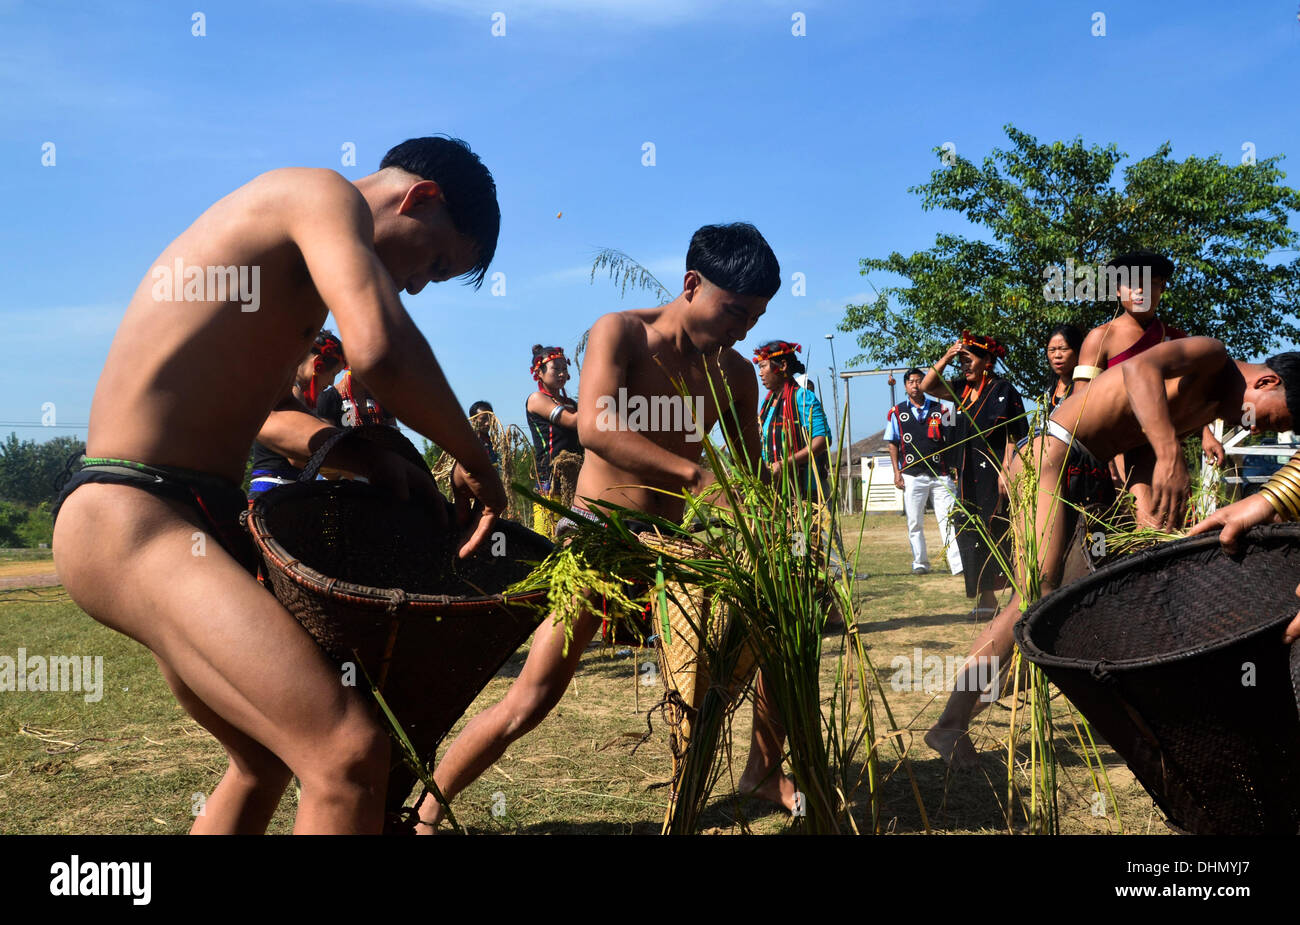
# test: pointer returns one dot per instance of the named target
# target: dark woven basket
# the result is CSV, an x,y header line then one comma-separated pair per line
x,y
1159,652
375,579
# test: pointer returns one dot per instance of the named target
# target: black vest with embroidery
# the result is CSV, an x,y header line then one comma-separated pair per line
x,y
923,439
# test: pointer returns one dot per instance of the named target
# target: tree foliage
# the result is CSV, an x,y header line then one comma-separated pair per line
x,y
1036,204
29,470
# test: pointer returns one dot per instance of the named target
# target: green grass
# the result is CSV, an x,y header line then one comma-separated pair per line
x,y
140,759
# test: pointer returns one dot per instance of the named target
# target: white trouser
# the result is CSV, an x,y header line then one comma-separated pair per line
x,y
916,490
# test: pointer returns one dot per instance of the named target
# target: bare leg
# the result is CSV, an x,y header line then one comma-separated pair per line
x,y
762,776
990,655
1141,464
250,790
127,558
539,687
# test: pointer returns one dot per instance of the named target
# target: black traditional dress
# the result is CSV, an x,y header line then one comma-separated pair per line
x,y
987,417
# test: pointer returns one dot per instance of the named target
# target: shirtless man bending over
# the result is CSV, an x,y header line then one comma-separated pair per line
x,y
731,274
166,454
1168,391
1143,276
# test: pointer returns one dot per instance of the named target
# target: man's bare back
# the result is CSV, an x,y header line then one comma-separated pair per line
x,y
1102,416
161,345
305,241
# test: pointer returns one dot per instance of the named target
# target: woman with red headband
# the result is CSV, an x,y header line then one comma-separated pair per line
x,y
794,428
350,404
315,372
553,422
990,419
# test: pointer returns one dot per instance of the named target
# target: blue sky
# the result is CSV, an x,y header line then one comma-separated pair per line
x,y
814,138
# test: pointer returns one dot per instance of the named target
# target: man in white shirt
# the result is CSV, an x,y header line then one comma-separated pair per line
x,y
916,431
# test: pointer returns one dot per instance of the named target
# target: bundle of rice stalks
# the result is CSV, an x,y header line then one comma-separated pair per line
x,y
513,453
757,586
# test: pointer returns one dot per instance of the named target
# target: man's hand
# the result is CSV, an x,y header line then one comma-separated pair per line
x,y
1212,448
1170,487
898,480
480,500
1236,519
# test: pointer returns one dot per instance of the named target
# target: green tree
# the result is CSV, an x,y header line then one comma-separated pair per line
x,y
1036,204
29,470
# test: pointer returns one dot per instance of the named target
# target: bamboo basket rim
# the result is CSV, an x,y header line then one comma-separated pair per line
x,y
316,582
1143,561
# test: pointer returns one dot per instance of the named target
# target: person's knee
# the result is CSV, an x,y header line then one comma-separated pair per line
x,y
258,772
354,757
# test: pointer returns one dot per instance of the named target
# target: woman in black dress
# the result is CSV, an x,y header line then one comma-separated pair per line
x,y
553,421
990,419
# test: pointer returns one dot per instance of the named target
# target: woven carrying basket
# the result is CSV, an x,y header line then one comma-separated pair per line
x,y
680,641
1175,655
374,579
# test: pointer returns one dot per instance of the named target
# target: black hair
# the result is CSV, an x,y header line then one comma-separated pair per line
x,y
793,365
467,187
324,338
1287,367
912,372
1073,336
736,258
539,351
1161,266
478,407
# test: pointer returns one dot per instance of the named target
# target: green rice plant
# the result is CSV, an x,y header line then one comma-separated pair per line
x,y
514,462
764,563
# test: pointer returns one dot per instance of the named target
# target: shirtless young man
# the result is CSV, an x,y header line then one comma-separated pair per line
x,y
1168,391
1134,331
731,274
167,453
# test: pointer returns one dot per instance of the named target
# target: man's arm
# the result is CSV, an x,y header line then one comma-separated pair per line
x,y
1144,379
293,433
893,458
334,230
609,346
1092,354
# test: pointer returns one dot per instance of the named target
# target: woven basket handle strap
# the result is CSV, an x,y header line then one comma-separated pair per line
x,y
312,469
380,435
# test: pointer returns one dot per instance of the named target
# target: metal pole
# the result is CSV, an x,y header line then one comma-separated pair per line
x,y
835,395
848,443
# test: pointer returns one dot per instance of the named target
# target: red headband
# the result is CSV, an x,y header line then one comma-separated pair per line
x,y
331,349
541,361
780,348
987,344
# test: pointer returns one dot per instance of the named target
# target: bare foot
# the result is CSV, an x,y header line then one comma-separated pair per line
x,y
954,747
774,787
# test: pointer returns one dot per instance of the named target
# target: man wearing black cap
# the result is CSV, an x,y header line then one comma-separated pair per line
x,y
1138,280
